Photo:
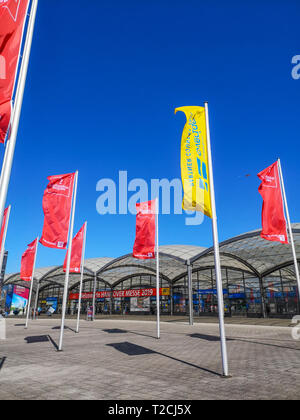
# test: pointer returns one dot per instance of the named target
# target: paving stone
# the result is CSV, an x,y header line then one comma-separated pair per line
x,y
184,364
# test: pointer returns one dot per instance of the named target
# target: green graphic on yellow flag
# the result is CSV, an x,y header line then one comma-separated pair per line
x,y
194,161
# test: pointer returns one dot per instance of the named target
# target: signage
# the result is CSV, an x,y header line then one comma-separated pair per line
x,y
121,294
211,291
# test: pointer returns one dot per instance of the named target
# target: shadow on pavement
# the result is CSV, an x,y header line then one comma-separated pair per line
x,y
65,327
131,349
143,335
115,331
41,339
53,342
208,337
37,339
20,325
2,361
134,350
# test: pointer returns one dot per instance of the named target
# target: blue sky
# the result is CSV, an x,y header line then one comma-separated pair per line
x,y
104,80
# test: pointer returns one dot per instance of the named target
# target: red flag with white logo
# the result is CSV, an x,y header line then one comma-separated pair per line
x,y
273,219
28,260
77,249
144,246
12,22
57,204
4,221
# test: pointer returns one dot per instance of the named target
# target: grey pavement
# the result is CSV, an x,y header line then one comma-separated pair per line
x,y
122,360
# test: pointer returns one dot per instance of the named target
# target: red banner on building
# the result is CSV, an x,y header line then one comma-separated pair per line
x,y
273,219
23,292
144,246
4,221
106,294
12,21
27,262
57,204
77,249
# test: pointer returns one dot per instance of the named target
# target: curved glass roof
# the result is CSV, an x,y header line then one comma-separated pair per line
x,y
249,253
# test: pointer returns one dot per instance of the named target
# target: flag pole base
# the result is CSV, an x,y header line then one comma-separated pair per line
x,y
226,376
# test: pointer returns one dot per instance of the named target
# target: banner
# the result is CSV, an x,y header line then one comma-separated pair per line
x,y
57,204
27,262
194,161
12,22
106,294
273,219
76,257
3,227
140,304
144,246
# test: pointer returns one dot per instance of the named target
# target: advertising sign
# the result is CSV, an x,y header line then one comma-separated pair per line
x,y
121,294
140,304
52,303
211,291
19,300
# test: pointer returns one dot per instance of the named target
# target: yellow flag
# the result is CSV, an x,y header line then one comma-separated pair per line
x,y
194,161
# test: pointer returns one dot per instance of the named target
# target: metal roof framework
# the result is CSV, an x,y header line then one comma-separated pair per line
x,y
247,256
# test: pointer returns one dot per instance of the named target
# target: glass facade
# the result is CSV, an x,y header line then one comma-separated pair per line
x,y
258,280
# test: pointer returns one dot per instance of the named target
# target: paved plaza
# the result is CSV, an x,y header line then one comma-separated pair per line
x,y
120,360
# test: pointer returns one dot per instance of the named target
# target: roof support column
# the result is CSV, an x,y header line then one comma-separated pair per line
x,y
227,284
262,294
190,289
172,299
94,296
111,301
36,299
245,293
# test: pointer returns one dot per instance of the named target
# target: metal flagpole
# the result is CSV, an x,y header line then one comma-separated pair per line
x,y
4,239
217,252
81,278
9,153
190,287
157,272
290,226
66,289
31,286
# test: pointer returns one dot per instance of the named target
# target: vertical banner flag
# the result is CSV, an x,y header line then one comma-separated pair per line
x,y
76,257
27,263
57,204
194,161
273,220
12,22
3,228
144,246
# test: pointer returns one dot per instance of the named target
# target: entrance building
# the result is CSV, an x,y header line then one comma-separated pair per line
x,y
258,281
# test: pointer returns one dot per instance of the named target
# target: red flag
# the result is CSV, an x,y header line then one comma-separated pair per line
x,y
77,249
27,263
57,204
144,246
3,227
273,219
12,21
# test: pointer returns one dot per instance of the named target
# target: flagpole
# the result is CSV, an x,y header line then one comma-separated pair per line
x,y
11,144
81,278
290,227
66,289
217,251
3,241
157,272
31,286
